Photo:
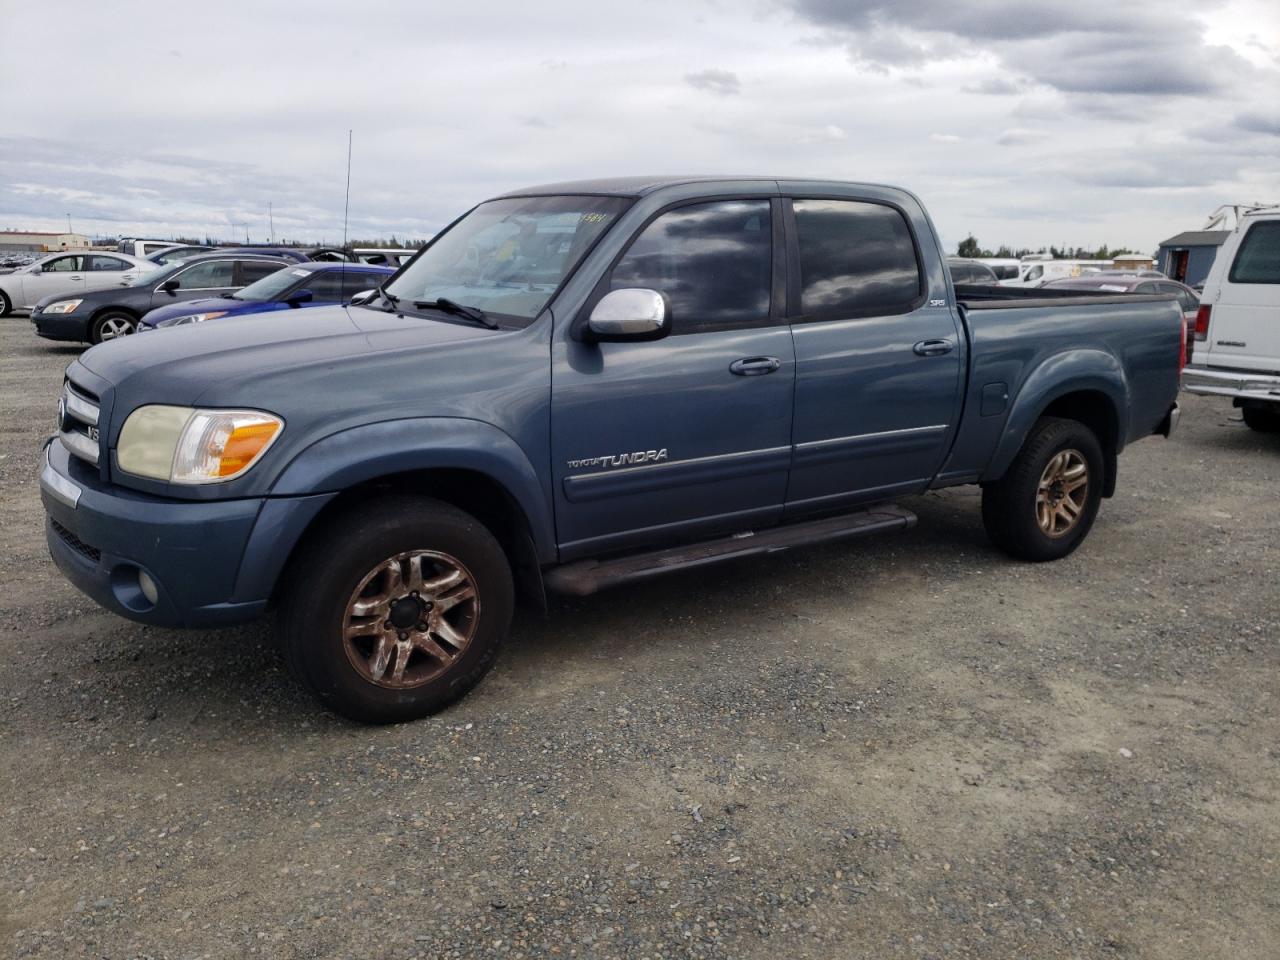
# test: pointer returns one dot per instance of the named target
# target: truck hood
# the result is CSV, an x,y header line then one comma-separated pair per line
x,y
224,363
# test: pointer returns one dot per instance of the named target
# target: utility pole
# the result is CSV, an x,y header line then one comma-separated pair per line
x,y
271,221
68,223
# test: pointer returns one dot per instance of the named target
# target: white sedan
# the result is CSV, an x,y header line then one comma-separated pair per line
x,y
68,273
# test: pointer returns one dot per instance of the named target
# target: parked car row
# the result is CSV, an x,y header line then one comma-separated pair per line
x,y
197,289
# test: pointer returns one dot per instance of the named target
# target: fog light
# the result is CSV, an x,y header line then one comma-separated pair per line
x,y
148,587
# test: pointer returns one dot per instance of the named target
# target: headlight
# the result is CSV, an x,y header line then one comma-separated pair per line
x,y
182,445
62,306
196,318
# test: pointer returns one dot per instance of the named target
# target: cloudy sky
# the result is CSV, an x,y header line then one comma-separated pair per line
x,y
1026,123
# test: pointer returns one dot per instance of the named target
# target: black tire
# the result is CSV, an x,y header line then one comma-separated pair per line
x,y
112,325
1264,419
1011,508
6,305
325,579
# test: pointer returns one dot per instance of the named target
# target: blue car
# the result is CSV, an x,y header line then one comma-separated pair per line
x,y
298,285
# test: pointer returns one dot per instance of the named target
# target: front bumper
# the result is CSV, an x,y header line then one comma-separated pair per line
x,y
65,326
1241,384
101,536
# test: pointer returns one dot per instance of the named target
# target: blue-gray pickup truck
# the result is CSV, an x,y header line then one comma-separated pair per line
x,y
574,386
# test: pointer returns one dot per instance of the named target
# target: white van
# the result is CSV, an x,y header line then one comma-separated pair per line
x,y
1036,272
1238,324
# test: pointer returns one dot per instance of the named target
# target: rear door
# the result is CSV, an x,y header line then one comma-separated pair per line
x,y
688,435
1244,327
879,355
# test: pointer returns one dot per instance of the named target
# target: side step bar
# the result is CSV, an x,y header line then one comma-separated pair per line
x,y
584,577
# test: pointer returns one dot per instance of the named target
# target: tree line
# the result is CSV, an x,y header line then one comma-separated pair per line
x,y
971,249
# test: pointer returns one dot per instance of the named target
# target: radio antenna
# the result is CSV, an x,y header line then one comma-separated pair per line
x,y
346,208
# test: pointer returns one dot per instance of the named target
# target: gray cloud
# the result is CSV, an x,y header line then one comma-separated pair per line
x,y
1259,123
723,82
1090,46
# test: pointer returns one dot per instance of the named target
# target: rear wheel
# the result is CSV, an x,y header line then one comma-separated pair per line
x,y
1044,506
1265,418
396,609
6,305
112,325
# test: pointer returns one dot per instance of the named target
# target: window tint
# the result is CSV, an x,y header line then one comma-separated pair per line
x,y
252,271
326,286
714,261
855,259
359,282
1145,288
1258,259
108,263
202,276
64,265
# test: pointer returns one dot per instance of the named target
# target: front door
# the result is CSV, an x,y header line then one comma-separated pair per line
x,y
878,355
689,435
61,276
208,278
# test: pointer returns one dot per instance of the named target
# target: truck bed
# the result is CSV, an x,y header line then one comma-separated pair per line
x,y
1019,338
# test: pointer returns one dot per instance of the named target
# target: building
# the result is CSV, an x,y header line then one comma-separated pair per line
x,y
14,241
1133,262
1188,256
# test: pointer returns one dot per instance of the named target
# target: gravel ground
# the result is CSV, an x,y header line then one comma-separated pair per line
x,y
902,746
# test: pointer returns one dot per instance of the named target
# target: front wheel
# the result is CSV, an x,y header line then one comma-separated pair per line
x,y
1045,504
112,326
6,305
396,609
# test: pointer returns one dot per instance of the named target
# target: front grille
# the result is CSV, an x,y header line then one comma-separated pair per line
x,y
78,422
75,543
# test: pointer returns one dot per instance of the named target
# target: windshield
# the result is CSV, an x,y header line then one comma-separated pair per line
x,y
272,285
508,257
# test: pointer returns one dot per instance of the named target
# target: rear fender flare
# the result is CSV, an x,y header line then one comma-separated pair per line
x,y
1058,376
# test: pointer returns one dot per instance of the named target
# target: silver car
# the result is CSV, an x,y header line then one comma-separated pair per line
x,y
68,273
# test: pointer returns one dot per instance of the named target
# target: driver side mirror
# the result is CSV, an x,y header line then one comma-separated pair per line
x,y
364,296
632,314
299,297
169,286
35,268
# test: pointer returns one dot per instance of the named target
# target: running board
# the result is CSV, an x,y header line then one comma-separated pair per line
x,y
584,577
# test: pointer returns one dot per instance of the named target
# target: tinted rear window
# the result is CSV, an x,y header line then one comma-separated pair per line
x,y
1258,259
856,259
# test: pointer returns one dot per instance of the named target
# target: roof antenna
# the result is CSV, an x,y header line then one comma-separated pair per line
x,y
346,207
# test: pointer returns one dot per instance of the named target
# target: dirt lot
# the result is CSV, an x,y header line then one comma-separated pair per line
x,y
906,746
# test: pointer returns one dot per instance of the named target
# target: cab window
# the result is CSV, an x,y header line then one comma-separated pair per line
x,y
714,262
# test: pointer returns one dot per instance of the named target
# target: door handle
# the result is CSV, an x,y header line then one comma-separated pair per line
x,y
933,348
75,276
754,366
